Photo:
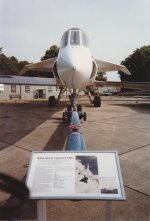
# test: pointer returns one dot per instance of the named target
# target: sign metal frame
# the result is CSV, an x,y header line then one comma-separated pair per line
x,y
121,196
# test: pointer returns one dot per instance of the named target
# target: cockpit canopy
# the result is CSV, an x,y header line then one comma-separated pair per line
x,y
74,37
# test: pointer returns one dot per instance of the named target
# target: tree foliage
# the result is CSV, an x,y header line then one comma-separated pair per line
x,y
6,66
1,50
51,52
10,65
138,64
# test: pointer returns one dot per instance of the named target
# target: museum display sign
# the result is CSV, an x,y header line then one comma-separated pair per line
x,y
75,175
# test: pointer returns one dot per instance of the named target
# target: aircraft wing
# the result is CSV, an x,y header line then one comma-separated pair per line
x,y
104,66
129,85
45,66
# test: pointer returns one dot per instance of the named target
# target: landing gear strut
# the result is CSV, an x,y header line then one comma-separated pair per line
x,y
97,98
73,100
73,107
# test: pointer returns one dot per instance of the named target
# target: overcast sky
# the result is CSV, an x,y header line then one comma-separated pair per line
x,y
115,27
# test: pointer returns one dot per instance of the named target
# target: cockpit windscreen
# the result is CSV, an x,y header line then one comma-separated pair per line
x,y
74,37
85,40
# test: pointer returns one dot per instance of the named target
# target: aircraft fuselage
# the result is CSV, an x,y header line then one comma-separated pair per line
x,y
75,62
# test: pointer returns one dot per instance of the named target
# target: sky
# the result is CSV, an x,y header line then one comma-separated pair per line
x,y
115,27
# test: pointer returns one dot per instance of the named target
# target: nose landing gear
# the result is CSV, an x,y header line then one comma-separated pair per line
x,y
73,107
68,113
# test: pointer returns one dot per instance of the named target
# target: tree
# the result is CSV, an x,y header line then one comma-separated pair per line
x,y
138,64
101,77
51,52
6,66
10,65
21,64
1,50
14,61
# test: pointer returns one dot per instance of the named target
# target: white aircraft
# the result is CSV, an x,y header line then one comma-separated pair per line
x,y
74,68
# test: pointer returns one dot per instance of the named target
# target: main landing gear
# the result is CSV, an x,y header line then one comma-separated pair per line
x,y
97,100
89,92
52,101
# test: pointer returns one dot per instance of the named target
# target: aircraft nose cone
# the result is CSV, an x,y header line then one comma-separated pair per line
x,y
73,70
73,64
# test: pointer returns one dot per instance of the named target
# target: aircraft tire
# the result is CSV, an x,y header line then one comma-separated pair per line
x,y
84,116
51,101
97,101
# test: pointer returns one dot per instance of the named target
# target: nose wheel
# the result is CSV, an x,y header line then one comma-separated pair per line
x,y
73,107
67,115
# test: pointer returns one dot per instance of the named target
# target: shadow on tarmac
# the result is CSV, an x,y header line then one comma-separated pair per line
x,y
19,120
143,108
29,116
57,140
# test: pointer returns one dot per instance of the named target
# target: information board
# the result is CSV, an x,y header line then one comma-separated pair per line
x,y
75,175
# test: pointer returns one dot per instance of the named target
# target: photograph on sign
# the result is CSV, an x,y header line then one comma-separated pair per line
x,y
87,177
75,175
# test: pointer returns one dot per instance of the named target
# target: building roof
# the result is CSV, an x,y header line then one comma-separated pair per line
x,y
21,80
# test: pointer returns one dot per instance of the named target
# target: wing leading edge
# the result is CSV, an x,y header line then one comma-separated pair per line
x,y
104,66
45,66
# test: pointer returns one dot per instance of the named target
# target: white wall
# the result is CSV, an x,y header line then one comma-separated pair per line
x,y
20,90
4,95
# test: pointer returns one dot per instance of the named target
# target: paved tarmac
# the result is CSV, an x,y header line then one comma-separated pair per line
x,y
120,124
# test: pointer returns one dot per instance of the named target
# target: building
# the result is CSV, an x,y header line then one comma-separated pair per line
x,y
27,88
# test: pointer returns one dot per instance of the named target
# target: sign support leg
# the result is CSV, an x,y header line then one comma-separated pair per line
x,y
41,210
109,211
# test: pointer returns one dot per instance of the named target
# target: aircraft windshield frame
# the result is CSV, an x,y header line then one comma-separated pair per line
x,y
85,40
74,37
64,40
